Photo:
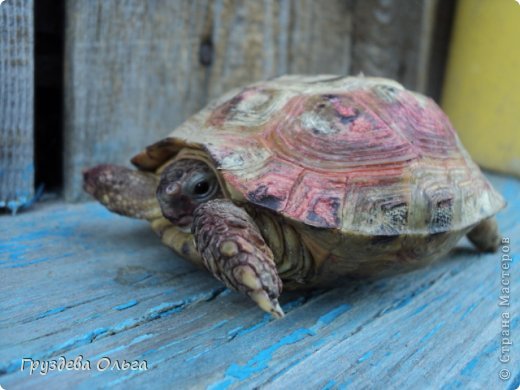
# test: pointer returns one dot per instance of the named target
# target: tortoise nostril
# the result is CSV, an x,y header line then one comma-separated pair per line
x,y
173,189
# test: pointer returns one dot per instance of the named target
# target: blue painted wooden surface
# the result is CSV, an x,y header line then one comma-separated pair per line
x,y
77,280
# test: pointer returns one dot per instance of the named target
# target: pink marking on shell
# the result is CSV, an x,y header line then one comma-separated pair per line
x,y
343,110
271,185
317,199
417,118
313,133
222,113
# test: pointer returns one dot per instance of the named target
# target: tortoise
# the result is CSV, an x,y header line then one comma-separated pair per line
x,y
306,181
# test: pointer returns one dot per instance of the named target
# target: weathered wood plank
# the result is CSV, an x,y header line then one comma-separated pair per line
x,y
392,38
320,37
16,103
132,74
79,280
256,40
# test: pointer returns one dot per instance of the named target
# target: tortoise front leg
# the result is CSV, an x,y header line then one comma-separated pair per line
x,y
234,251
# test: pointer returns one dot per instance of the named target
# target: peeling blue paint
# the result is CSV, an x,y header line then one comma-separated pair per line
x,y
76,342
419,309
234,331
469,310
468,368
36,261
329,385
287,307
27,248
23,197
489,349
240,331
51,312
366,356
158,311
109,352
169,291
291,305
260,361
456,308
294,363
14,205
332,315
126,305
406,299
222,385
345,384
140,338
515,383
432,332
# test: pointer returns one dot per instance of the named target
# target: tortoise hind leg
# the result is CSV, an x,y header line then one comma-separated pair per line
x,y
485,235
124,191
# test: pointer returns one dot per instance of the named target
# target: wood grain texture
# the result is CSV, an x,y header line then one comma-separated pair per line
x,y
392,38
16,103
77,280
132,73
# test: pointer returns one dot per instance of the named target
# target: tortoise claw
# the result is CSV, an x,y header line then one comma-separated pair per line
x,y
267,304
246,276
234,251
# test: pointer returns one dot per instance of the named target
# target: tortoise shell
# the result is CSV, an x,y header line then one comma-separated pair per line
x,y
355,154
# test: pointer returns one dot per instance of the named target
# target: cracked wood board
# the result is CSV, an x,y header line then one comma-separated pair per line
x,y
78,280
16,103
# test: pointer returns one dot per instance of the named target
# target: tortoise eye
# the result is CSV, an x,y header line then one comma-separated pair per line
x,y
201,188
204,188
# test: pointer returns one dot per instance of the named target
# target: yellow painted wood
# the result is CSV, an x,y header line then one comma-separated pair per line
x,y
482,86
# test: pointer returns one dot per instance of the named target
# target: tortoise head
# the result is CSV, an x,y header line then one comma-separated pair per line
x,y
184,185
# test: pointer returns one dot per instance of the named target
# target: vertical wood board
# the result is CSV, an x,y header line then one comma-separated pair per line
x,y
16,103
391,38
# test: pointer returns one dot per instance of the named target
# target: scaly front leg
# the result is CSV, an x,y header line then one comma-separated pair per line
x,y
234,251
